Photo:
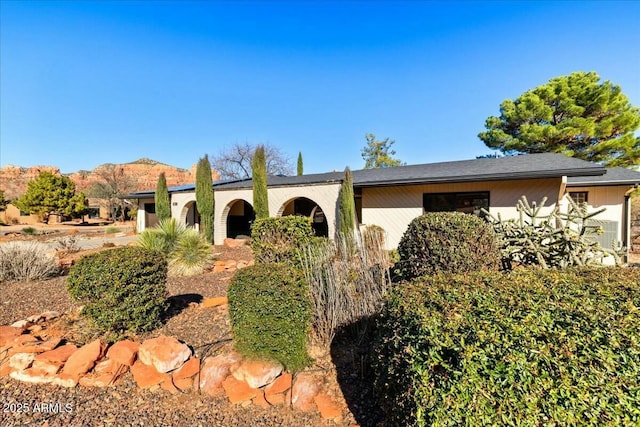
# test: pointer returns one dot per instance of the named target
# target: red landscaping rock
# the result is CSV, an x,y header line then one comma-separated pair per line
x,y
47,366
32,375
124,352
168,385
60,354
188,370
21,361
214,302
257,373
276,399
65,380
164,353
147,376
280,385
184,384
328,408
235,243
35,346
230,265
22,340
83,359
238,391
20,324
215,370
260,401
5,369
218,268
303,391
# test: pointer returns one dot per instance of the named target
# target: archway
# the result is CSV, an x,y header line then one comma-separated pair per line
x,y
307,207
239,218
190,215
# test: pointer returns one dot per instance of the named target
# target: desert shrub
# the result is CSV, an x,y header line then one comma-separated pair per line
x,y
348,279
531,347
29,231
123,290
69,244
446,242
556,240
191,255
282,239
270,310
163,237
26,261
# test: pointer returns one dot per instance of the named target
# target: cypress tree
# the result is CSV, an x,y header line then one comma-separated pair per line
x,y
300,166
205,200
347,207
260,194
163,202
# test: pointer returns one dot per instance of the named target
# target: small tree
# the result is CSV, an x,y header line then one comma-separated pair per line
x,y
51,194
260,193
113,184
300,165
205,198
235,162
347,206
162,199
378,154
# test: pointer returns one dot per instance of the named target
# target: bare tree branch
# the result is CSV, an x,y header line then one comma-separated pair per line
x,y
235,162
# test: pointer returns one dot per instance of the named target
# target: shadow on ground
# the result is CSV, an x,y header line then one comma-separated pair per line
x,y
179,303
351,351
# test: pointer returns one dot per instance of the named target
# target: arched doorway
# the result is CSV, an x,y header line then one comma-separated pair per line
x,y
190,215
239,218
307,207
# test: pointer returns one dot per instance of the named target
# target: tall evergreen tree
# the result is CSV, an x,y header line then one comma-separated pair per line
x,y
260,193
300,165
205,200
162,199
575,115
347,207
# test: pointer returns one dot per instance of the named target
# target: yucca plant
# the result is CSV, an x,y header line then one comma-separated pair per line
x,y
164,237
192,255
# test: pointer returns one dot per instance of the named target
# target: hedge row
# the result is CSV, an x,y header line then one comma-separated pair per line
x,y
532,347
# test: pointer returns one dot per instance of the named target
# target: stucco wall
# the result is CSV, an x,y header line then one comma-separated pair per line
x,y
325,195
393,208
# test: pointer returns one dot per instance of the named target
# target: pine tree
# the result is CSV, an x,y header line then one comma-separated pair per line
x,y
205,200
575,115
347,207
300,166
162,199
260,193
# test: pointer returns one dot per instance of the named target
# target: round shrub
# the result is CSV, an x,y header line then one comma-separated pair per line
x,y
26,261
447,242
122,289
280,239
529,348
271,314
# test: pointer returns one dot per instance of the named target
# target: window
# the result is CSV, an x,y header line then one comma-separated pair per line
x,y
470,203
579,197
23,213
150,208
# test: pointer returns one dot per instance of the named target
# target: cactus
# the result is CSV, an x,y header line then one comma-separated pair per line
x,y
557,240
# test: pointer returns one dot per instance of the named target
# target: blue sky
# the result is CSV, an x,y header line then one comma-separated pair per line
x,y
87,83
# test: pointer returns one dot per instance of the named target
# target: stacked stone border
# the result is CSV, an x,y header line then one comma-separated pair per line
x,y
32,353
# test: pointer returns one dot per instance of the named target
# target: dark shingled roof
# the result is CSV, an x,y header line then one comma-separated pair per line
x,y
614,176
546,165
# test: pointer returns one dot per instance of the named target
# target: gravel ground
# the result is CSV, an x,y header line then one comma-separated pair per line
x,y
206,330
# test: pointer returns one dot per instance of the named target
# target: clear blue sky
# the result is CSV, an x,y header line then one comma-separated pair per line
x,y
86,83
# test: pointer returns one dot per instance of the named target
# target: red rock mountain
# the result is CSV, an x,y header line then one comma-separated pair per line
x,y
14,179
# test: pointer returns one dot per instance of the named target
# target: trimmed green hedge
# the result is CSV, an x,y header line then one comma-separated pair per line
x,y
271,314
531,348
122,289
452,242
281,239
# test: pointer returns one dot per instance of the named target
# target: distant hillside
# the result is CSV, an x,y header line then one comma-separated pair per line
x,y
14,179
